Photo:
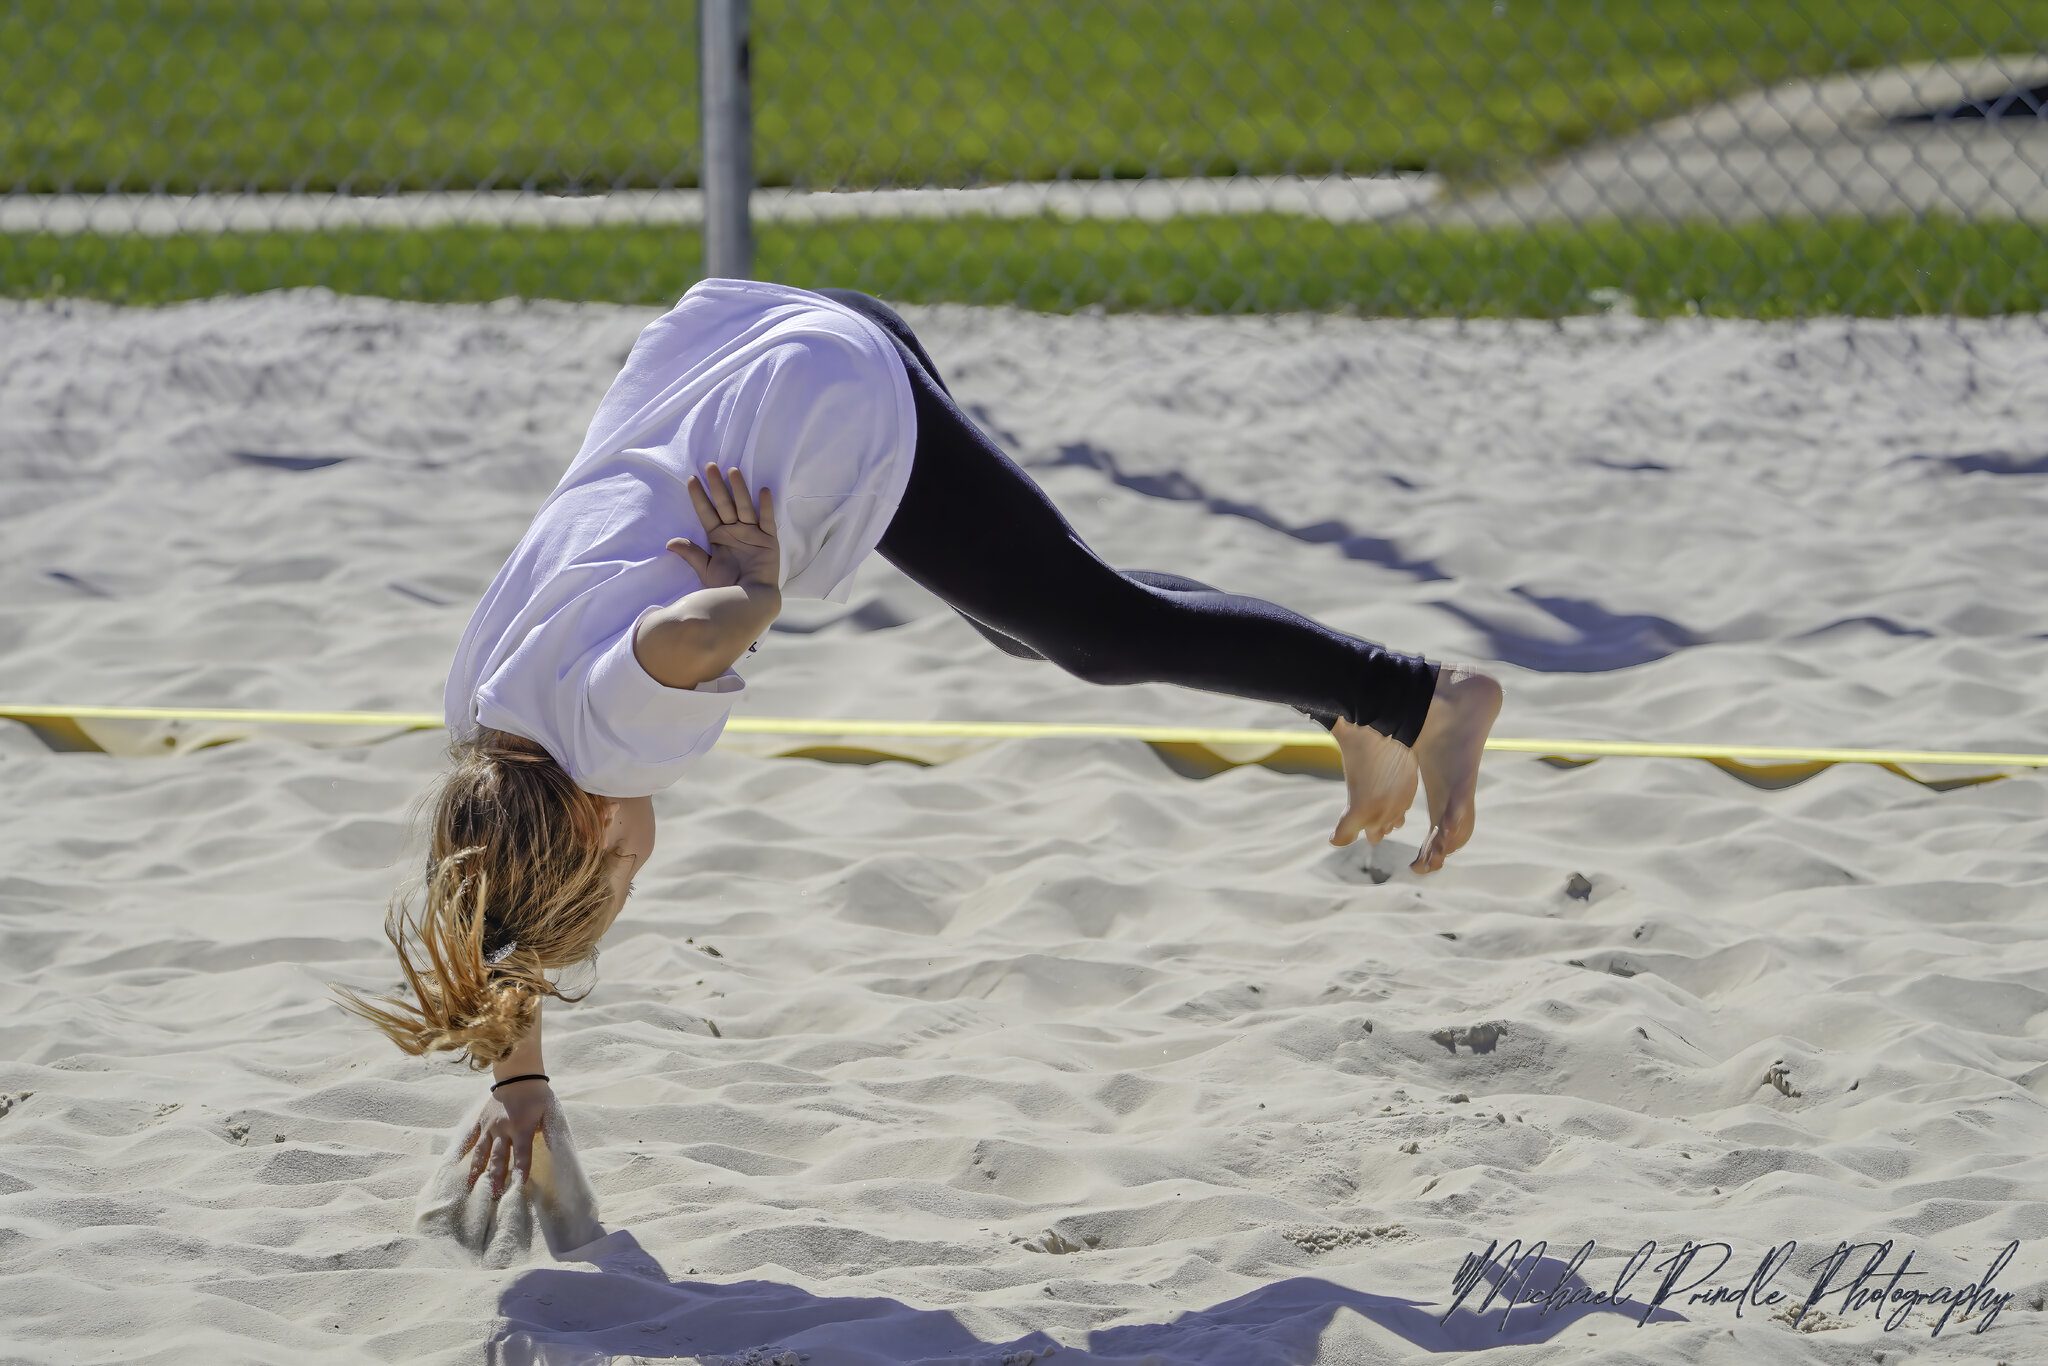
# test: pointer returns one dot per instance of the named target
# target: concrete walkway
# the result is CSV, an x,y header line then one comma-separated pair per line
x,y
1336,198
1845,145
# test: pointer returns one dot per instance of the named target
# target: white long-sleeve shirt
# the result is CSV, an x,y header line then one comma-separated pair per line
x,y
809,399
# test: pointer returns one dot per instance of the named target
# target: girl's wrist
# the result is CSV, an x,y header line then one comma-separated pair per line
x,y
520,1079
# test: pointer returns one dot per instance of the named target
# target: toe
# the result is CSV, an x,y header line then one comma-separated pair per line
x,y
1423,856
1374,822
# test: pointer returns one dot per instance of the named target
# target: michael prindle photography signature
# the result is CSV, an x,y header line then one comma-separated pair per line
x,y
1861,1278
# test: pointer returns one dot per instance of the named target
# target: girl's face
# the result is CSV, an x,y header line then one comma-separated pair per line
x,y
629,831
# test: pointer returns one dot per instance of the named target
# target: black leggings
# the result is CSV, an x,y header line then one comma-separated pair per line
x,y
974,529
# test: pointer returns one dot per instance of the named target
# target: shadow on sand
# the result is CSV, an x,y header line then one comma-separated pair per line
x,y
627,1306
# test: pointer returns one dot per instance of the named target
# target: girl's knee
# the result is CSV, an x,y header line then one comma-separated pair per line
x,y
1093,666
1100,653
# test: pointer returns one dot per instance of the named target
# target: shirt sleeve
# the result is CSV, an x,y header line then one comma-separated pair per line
x,y
634,735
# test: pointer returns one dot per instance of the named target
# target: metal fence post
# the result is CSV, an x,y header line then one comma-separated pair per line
x,y
728,138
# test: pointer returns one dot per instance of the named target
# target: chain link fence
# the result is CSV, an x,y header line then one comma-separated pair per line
x,y
1409,157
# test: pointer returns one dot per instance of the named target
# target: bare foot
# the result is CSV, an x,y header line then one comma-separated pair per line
x,y
1379,782
1461,714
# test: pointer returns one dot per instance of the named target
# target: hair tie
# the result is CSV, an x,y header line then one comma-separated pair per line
x,y
530,1076
497,956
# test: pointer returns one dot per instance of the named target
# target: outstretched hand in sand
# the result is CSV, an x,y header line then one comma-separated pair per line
x,y
1381,774
503,1133
520,1133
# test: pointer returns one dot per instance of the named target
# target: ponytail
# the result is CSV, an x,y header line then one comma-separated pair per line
x,y
517,882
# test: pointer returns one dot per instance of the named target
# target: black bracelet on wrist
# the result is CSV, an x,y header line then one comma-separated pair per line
x,y
530,1076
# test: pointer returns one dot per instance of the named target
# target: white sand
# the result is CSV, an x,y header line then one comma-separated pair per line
x,y
1050,1047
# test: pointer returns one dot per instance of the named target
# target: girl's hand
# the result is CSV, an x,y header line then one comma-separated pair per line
x,y
744,548
504,1132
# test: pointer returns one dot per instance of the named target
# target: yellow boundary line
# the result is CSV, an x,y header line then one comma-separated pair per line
x,y
1031,730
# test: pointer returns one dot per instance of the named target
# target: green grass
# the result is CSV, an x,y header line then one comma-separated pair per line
x,y
1237,264
371,95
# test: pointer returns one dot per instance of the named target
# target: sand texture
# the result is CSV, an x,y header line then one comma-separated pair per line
x,y
1058,1051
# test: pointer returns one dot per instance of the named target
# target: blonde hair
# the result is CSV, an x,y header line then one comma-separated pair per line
x,y
515,852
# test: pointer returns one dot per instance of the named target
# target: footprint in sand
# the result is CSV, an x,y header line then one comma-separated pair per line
x,y
1057,1243
1480,1038
1316,1241
1780,1076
